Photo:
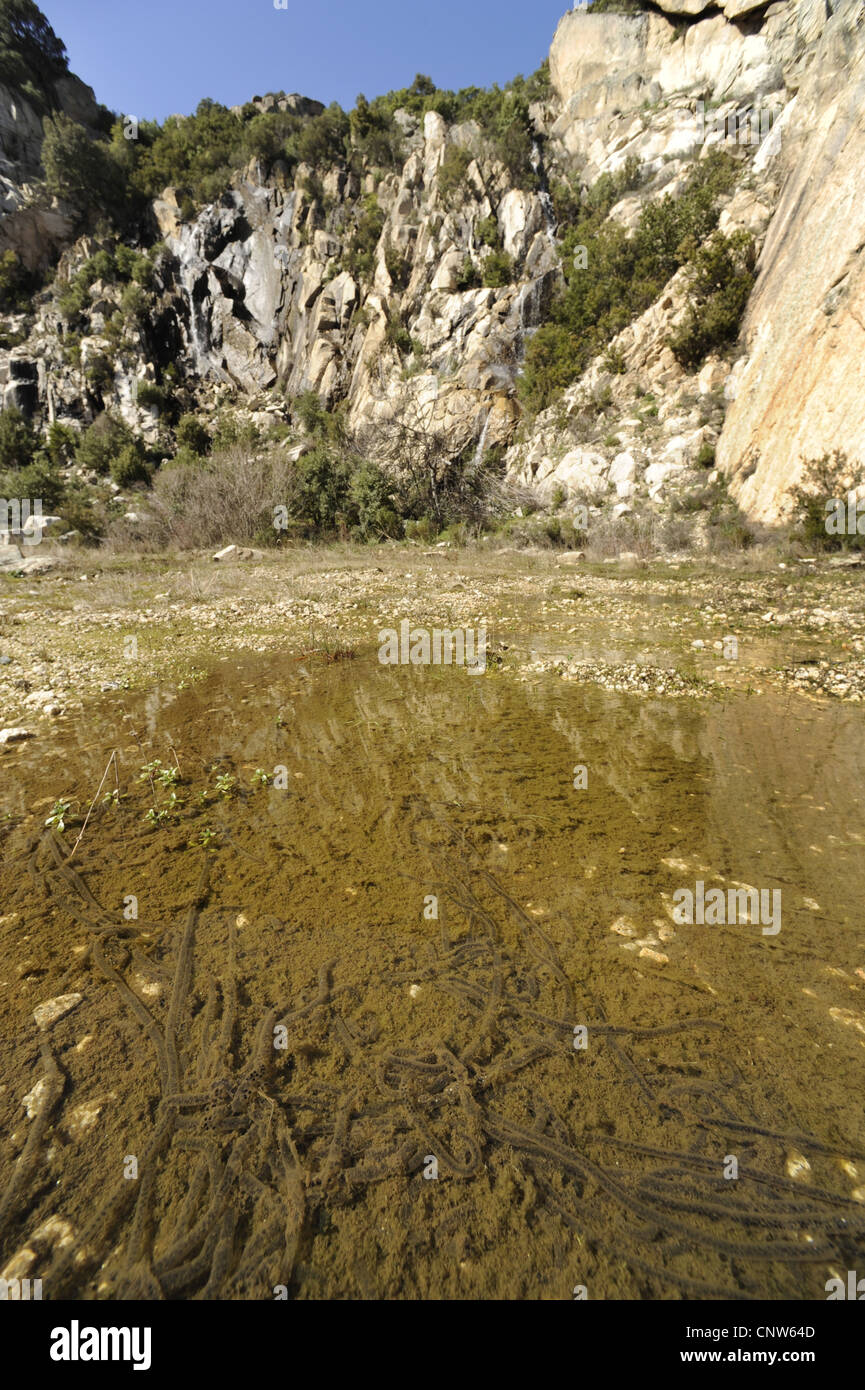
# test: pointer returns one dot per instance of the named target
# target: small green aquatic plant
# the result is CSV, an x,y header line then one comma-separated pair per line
x,y
260,778
155,771
58,814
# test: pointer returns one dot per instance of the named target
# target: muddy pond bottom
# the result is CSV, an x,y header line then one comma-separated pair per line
x,y
370,982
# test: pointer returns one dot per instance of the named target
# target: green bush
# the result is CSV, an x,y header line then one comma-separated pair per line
x,y
233,431
369,224
398,267
309,411
73,301
498,270
150,394
192,435
17,440
61,442
101,442
16,284
721,279
99,373
507,125
487,232
130,466
824,480
31,54
554,358
398,335
468,277
38,479
623,274
133,265
452,172
375,136
78,169
371,503
135,305
322,488
323,140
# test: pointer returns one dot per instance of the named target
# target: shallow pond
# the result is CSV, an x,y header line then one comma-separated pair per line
x,y
326,1042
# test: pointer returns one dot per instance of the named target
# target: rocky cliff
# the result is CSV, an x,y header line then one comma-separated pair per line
x,y
261,295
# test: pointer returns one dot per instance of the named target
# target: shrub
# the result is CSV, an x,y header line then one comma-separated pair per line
x,y
487,232
134,304
130,466
360,257
101,442
77,168
398,335
554,358
150,394
509,129
498,270
468,277
624,274
16,284
398,267
375,135
823,480
309,411
60,443
721,280
17,440
29,48
321,488
99,373
37,479
192,435
452,173
230,496
133,265
371,502
323,140
80,512
73,301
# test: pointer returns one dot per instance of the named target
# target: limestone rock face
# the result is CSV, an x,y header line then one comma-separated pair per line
x,y
797,393
263,293
36,233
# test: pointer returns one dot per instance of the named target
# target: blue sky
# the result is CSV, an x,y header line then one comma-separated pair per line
x,y
151,58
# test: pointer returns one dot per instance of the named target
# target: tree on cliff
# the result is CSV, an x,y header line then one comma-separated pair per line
x,y
78,169
31,54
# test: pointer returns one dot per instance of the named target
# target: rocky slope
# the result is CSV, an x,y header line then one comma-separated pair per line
x,y
254,299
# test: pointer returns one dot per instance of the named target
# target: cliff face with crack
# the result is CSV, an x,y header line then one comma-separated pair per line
x,y
256,296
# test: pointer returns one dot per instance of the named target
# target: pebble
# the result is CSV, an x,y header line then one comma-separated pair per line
x,y
35,1100
798,1166
49,1012
83,1117
14,735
